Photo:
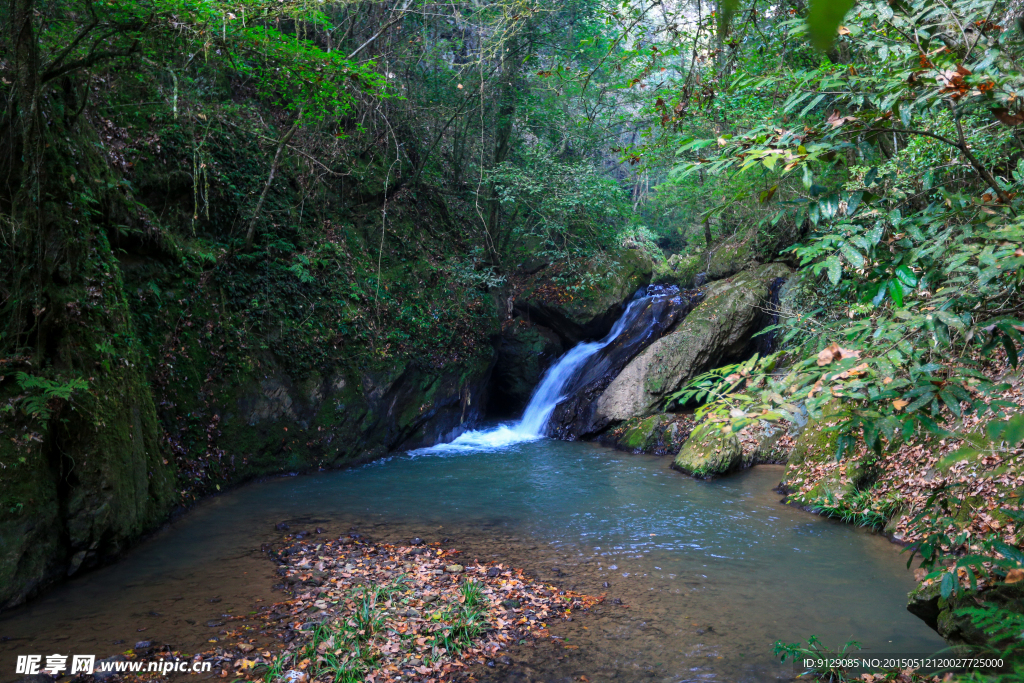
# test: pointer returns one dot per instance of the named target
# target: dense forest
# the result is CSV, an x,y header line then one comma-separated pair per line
x,y
246,238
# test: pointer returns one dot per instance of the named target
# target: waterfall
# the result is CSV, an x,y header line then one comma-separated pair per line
x,y
561,376
559,380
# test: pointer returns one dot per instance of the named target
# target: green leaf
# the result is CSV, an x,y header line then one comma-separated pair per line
x,y
1013,434
835,269
896,291
948,585
906,276
1011,350
994,430
823,20
852,255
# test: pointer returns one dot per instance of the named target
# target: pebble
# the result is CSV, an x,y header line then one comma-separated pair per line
x,y
455,569
214,624
416,541
493,571
142,644
282,526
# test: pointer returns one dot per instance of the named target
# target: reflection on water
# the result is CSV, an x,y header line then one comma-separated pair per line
x,y
708,574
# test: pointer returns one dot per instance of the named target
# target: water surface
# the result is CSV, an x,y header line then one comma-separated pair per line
x,y
708,574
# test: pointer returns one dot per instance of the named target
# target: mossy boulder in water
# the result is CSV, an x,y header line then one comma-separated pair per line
x,y
943,614
661,434
718,329
581,301
710,451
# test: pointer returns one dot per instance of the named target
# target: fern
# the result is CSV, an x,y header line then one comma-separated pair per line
x,y
1004,627
41,392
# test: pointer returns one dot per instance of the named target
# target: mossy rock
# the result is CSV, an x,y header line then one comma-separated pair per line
x,y
815,449
661,434
733,254
719,328
583,301
709,452
678,269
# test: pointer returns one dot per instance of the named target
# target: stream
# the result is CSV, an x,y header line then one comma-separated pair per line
x,y
709,574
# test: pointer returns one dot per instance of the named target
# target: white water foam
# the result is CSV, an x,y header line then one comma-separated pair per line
x,y
532,425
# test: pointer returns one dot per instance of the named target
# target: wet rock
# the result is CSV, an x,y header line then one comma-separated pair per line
x,y
215,599
493,571
720,328
142,644
455,569
416,541
505,659
511,604
100,674
318,530
282,526
246,647
214,624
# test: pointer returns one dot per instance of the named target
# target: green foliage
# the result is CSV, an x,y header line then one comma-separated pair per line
x,y
831,672
45,396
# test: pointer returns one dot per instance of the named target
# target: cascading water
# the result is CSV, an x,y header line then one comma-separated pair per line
x,y
556,383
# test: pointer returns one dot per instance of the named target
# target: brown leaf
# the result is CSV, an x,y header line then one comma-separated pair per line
x,y
1008,117
1015,575
843,31
900,404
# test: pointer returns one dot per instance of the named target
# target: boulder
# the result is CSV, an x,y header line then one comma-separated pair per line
x,y
583,301
525,352
945,617
813,475
710,451
732,255
647,319
679,270
661,434
719,329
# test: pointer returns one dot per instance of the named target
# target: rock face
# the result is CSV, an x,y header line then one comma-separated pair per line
x,y
590,308
525,351
649,319
718,329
